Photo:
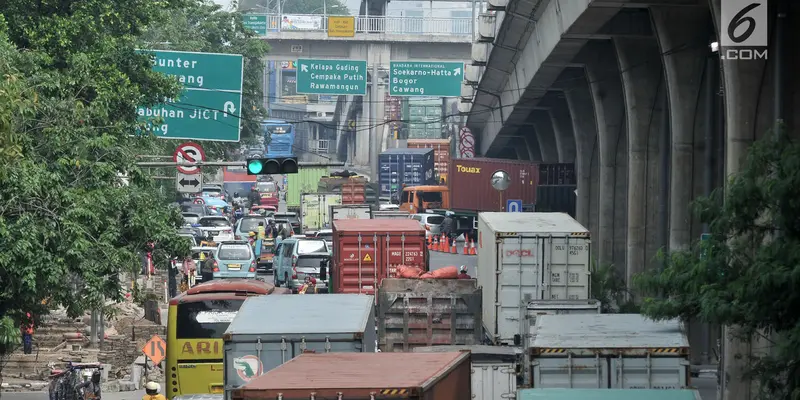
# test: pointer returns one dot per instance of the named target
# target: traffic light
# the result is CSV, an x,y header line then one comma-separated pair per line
x,y
268,166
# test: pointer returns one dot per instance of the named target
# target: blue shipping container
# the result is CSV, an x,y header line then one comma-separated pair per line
x,y
411,167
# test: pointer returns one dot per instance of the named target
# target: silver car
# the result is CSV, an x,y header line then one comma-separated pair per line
x,y
215,225
432,223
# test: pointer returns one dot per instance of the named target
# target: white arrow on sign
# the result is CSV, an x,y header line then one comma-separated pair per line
x,y
228,108
304,68
457,71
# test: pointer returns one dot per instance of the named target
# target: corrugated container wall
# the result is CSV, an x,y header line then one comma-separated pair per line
x,y
368,250
557,174
471,188
441,153
355,190
560,198
315,210
305,180
609,394
410,167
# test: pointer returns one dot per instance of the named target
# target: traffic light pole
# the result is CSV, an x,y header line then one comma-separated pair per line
x,y
156,164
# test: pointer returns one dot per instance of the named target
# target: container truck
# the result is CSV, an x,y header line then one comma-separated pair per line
x,y
525,257
350,211
469,191
609,351
398,168
315,208
494,369
354,190
305,180
390,214
441,154
365,251
608,394
266,334
537,308
414,376
428,312
235,180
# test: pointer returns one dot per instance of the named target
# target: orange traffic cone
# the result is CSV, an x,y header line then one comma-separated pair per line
x,y
435,246
466,245
453,249
430,243
472,250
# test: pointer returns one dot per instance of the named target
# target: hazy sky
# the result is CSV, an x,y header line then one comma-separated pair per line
x,y
223,3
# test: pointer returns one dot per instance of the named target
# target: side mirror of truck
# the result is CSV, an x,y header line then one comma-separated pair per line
x,y
323,270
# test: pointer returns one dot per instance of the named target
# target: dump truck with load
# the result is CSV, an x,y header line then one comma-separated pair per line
x,y
428,312
608,351
526,257
354,190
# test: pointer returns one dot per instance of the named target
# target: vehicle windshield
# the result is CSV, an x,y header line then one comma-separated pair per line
x,y
434,220
192,208
190,215
251,224
234,252
267,187
278,129
431,197
404,197
210,222
205,319
311,246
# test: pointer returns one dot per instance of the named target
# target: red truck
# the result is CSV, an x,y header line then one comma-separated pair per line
x,y
368,250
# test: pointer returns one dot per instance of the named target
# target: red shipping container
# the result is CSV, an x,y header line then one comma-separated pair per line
x,y
471,188
368,250
441,153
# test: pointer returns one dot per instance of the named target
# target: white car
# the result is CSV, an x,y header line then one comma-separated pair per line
x,y
215,225
432,223
327,235
388,207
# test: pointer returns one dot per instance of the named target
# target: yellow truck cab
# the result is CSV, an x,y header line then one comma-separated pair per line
x,y
417,199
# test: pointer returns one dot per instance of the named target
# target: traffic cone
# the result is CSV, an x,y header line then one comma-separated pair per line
x,y
444,244
453,249
435,246
466,245
472,250
430,242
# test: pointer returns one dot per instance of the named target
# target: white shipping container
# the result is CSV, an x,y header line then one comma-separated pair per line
x,y
524,257
494,369
350,211
314,209
609,351
537,308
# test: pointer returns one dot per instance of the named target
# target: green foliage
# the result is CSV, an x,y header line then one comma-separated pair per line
x,y
609,288
68,224
203,26
750,268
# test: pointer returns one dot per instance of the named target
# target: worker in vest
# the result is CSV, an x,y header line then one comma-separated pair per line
x,y
27,334
262,231
152,390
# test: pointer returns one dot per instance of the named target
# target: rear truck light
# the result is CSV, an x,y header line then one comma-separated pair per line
x,y
294,272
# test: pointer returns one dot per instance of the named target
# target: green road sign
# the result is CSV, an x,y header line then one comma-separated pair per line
x,y
332,77
425,78
210,105
256,23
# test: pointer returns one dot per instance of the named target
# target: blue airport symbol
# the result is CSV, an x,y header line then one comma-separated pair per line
x,y
514,205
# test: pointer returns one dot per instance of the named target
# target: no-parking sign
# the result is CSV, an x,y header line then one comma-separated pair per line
x,y
188,152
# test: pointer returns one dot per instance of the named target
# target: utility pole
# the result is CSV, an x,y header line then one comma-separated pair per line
x,y
374,135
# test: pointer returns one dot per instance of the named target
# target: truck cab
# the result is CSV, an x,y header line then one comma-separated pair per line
x,y
417,199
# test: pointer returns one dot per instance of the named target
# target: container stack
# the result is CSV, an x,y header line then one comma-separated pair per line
x,y
424,118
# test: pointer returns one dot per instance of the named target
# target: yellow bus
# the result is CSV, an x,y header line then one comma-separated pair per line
x,y
196,321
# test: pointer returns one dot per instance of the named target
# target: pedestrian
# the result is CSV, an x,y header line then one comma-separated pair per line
x,y
91,388
27,334
189,270
463,274
152,390
447,225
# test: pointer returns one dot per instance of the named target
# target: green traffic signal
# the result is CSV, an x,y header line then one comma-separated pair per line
x,y
254,167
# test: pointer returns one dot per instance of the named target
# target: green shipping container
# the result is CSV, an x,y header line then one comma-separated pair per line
x,y
305,180
608,394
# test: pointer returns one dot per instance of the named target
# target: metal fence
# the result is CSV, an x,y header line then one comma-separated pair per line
x,y
453,26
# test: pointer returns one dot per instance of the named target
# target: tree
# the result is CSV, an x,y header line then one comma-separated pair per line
x,y
203,26
746,274
68,224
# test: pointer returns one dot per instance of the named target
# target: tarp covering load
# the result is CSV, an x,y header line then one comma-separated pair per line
x,y
449,272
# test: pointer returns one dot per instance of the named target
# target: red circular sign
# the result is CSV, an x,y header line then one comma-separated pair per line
x,y
189,152
199,201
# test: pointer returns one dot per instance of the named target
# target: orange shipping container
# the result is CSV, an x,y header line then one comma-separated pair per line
x,y
441,153
413,376
368,250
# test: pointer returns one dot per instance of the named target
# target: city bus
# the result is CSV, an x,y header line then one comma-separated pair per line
x,y
279,136
196,321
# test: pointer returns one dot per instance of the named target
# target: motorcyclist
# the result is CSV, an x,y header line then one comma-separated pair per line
x,y
91,388
272,231
254,197
309,286
152,390
262,231
463,274
237,213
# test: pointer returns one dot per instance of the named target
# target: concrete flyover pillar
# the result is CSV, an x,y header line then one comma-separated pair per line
x,y
581,111
684,47
606,88
640,63
562,128
545,135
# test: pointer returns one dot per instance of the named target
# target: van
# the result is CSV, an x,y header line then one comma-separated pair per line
x,y
294,254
